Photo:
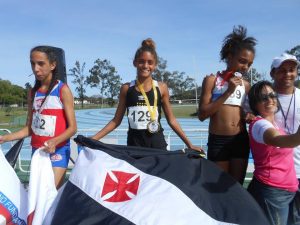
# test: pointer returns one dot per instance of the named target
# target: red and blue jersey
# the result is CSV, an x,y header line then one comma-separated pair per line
x,y
48,116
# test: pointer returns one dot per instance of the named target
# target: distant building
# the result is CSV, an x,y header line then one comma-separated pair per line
x,y
78,102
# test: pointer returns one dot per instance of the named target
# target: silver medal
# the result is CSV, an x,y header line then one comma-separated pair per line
x,y
153,126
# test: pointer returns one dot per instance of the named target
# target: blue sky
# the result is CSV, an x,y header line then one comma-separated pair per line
x,y
188,34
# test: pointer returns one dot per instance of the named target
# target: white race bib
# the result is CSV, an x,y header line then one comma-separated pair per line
x,y
43,125
237,97
139,117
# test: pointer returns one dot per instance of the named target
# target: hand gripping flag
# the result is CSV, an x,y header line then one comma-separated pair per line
x,y
13,196
17,206
42,190
113,184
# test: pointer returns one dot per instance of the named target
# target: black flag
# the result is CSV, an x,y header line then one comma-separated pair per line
x,y
112,184
13,154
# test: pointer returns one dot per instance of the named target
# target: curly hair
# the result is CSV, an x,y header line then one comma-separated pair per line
x,y
236,41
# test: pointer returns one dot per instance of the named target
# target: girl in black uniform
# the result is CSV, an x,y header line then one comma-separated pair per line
x,y
143,98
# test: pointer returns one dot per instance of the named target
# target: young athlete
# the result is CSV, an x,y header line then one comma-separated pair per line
x,y
221,100
143,99
274,182
51,118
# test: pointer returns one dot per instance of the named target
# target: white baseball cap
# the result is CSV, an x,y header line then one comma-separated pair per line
x,y
277,61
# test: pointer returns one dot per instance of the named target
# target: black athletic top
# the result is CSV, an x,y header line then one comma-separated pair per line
x,y
139,116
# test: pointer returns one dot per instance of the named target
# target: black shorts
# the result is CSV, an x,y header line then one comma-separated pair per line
x,y
144,138
224,147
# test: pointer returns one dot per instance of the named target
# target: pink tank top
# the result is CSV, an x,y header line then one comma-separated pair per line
x,y
274,166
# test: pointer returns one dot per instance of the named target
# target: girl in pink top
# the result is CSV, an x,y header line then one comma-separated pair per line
x,y
274,183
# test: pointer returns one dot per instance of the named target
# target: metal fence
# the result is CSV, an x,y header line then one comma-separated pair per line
x,y
118,136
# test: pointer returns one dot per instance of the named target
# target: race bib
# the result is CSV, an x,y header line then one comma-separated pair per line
x,y
43,125
139,117
236,98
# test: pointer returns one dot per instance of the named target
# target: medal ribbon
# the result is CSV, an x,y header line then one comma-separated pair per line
x,y
285,116
152,112
226,76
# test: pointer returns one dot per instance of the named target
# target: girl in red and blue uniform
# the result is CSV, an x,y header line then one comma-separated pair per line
x,y
51,117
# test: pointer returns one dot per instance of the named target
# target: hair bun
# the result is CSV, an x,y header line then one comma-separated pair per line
x,y
148,43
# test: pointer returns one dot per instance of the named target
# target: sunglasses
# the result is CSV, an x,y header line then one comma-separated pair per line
x,y
265,97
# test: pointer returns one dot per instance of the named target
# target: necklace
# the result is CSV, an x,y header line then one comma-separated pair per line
x,y
285,116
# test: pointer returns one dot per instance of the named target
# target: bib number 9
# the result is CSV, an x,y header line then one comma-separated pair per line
x,y
237,94
140,116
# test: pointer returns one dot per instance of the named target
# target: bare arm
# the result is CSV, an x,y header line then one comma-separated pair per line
x,y
25,131
68,102
207,108
171,118
248,115
115,122
274,138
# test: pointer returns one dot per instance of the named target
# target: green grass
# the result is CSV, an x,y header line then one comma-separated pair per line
x,y
15,118
184,111
12,118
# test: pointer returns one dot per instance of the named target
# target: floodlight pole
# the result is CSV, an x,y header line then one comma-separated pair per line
x,y
196,93
251,78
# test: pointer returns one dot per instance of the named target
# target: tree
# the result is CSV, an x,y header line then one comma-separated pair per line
x,y
11,94
161,74
104,76
28,86
253,76
80,80
175,80
296,52
187,86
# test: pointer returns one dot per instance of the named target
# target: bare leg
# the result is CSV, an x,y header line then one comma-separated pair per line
x,y
59,176
238,168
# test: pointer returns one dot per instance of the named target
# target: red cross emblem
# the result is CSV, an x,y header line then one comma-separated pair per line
x,y
120,186
6,214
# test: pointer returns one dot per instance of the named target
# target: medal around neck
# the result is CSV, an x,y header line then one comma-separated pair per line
x,y
153,127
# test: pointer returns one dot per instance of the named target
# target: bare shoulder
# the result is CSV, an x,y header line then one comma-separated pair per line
x,y
247,85
162,84
65,90
125,85
210,77
163,87
124,88
208,81
246,82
